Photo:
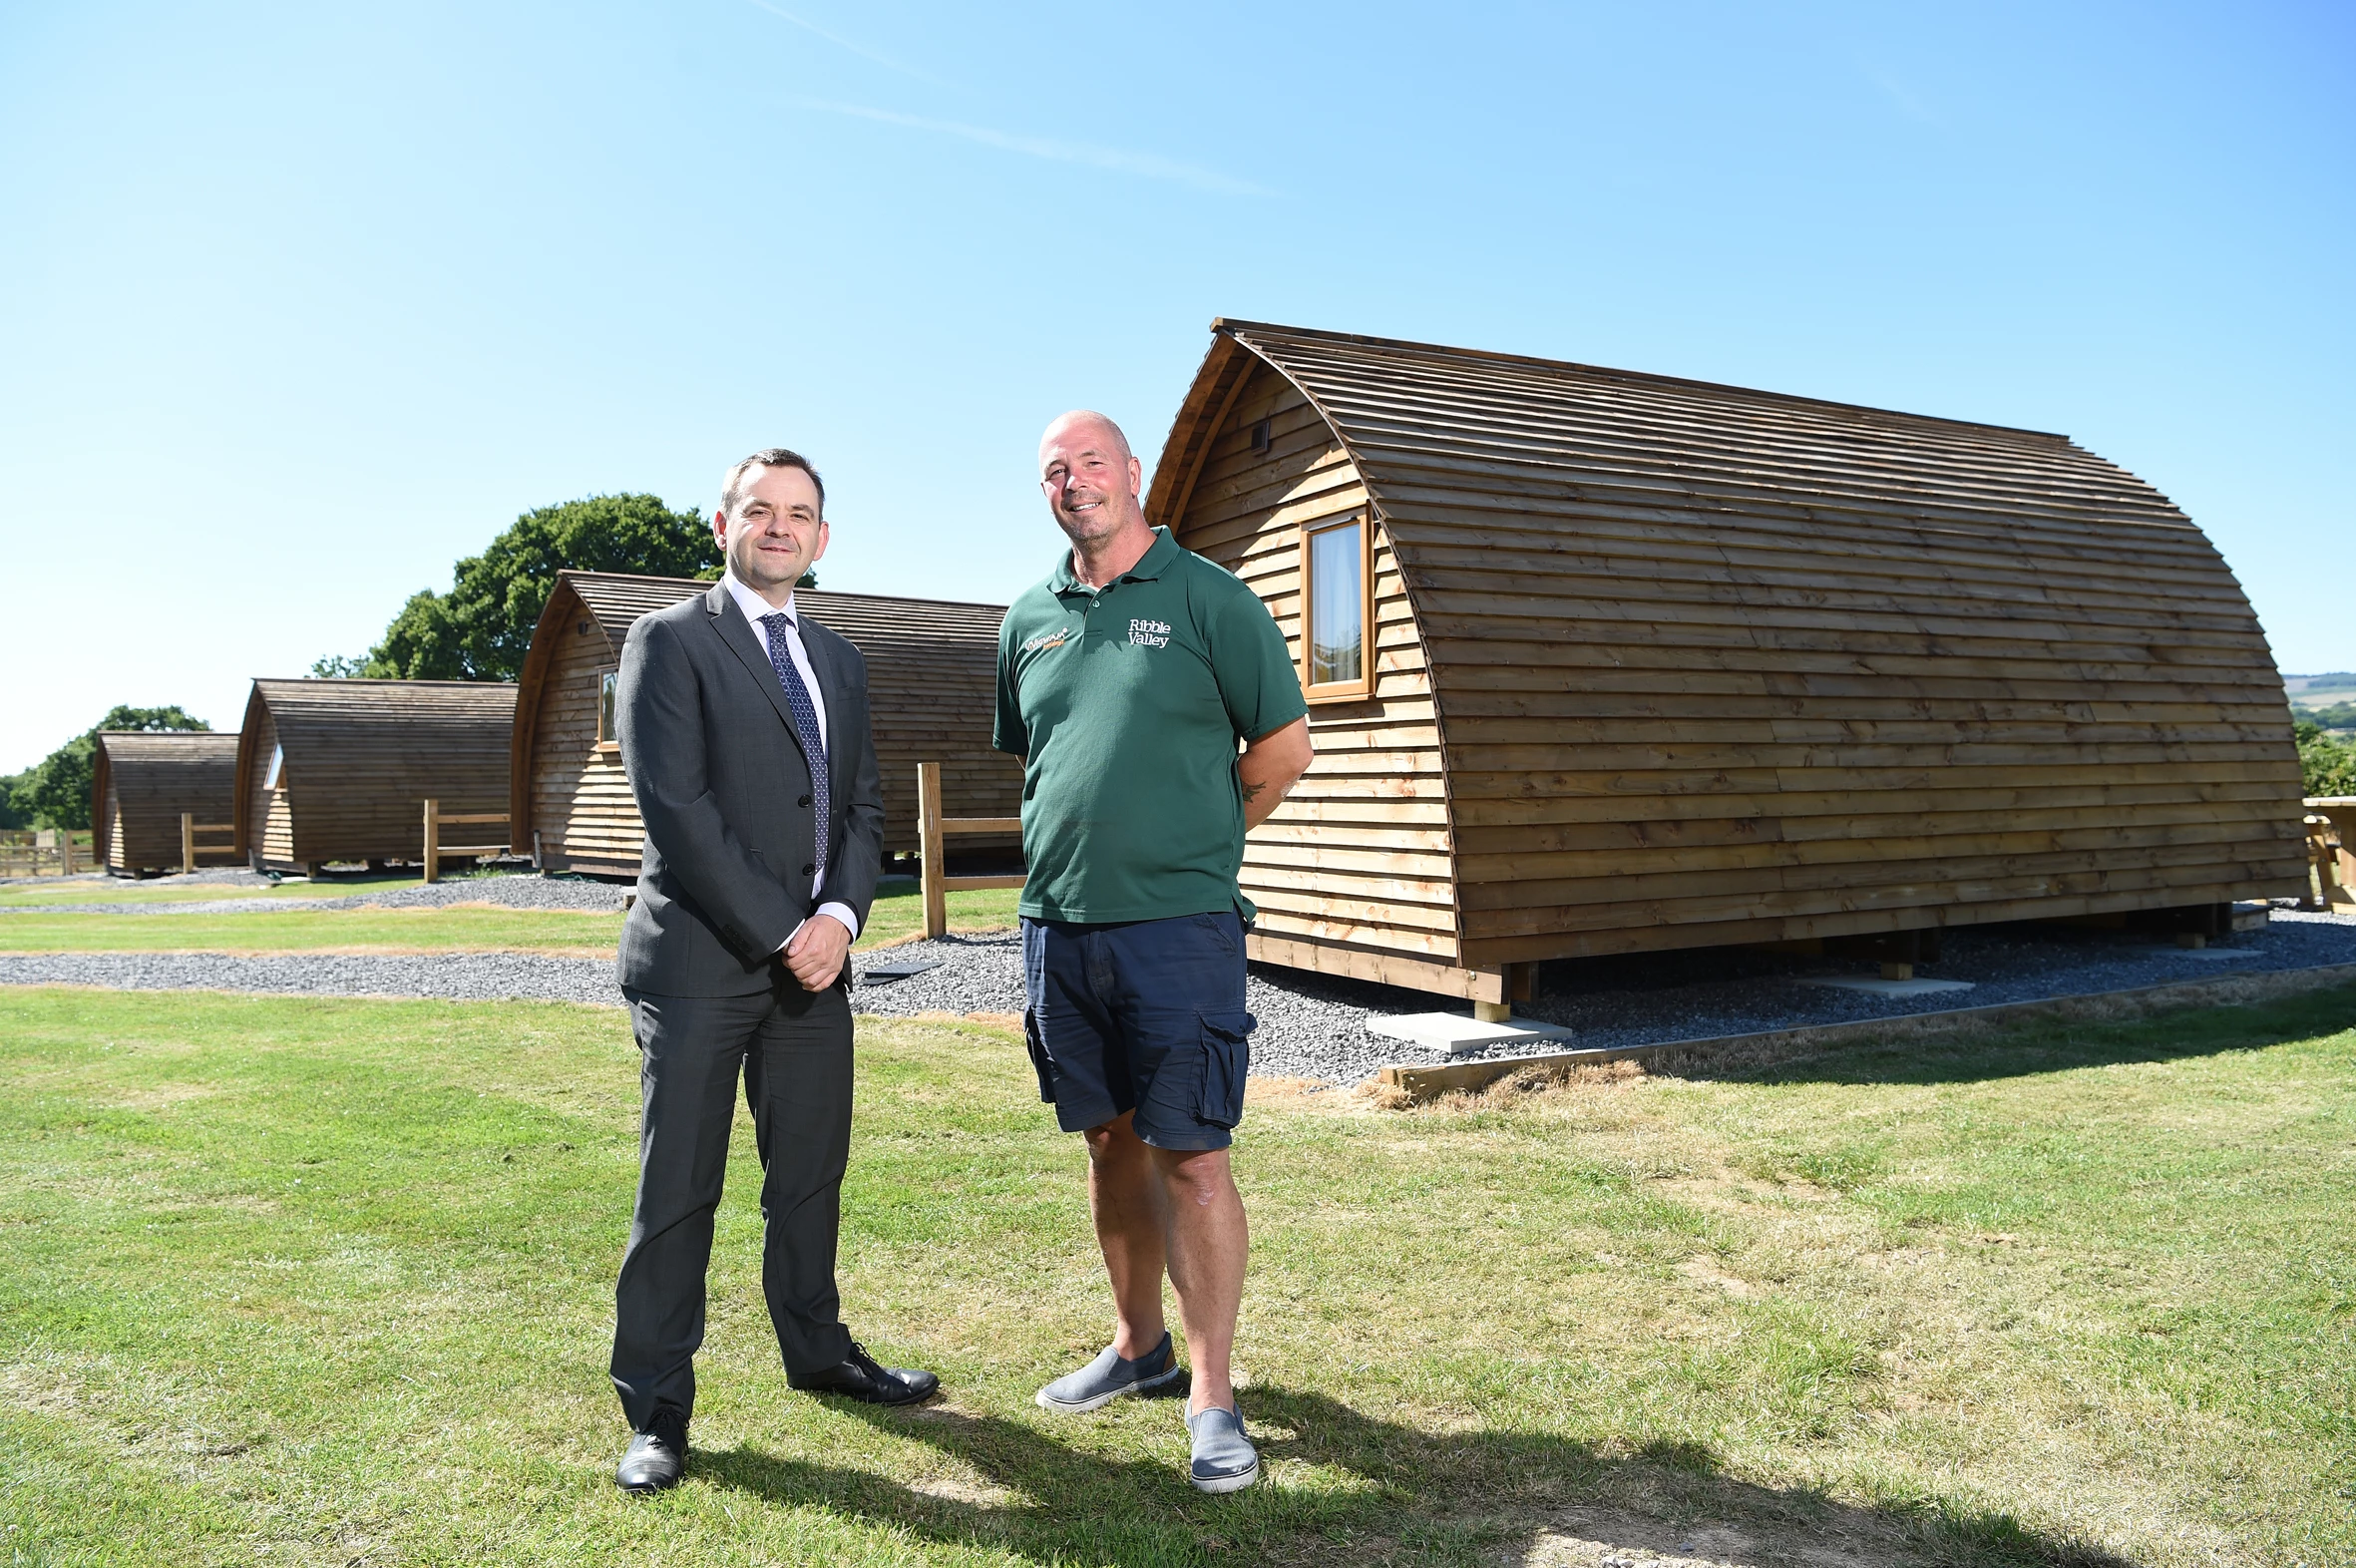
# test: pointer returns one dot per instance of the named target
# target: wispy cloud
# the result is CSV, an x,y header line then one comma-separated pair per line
x,y
840,42
1147,165
1897,91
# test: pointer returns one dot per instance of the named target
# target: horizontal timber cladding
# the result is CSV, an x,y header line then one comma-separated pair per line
x,y
1660,663
145,780
932,693
1358,857
357,760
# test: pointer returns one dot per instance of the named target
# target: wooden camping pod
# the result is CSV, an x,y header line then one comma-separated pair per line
x,y
1658,663
143,781
339,770
931,671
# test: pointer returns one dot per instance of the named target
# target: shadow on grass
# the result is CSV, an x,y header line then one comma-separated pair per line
x,y
2058,1047
1348,1487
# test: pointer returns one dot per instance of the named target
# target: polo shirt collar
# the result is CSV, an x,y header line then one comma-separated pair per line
x,y
1151,565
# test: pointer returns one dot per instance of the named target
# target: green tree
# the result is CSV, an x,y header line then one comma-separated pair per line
x,y
56,793
423,643
2327,763
480,628
15,810
338,666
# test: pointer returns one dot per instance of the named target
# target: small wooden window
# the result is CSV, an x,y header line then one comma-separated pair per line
x,y
1338,610
608,737
276,778
1262,435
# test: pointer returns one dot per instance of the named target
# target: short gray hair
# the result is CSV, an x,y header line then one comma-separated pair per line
x,y
733,487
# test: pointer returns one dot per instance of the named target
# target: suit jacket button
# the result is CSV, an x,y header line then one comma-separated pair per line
x,y
809,870
804,801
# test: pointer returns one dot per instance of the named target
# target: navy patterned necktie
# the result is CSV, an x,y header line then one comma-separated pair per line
x,y
805,712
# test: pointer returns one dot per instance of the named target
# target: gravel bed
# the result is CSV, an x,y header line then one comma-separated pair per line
x,y
1313,1026
455,976
1695,995
510,890
1310,1027
210,877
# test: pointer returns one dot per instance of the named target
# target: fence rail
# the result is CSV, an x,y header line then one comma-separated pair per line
x,y
44,851
435,849
932,829
189,849
2331,852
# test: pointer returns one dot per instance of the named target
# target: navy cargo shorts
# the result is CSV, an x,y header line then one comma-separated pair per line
x,y
1144,1015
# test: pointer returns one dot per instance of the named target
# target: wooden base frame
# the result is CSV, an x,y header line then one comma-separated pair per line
x,y
1388,969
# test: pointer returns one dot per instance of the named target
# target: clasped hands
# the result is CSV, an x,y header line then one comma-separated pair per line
x,y
816,951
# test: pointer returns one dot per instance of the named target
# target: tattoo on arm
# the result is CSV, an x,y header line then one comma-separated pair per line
x,y
1252,792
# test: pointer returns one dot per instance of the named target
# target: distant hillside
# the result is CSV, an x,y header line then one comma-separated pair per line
x,y
2310,692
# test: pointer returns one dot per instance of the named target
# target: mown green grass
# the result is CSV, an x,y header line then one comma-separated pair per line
x,y
114,890
330,1281
895,916
898,914
451,930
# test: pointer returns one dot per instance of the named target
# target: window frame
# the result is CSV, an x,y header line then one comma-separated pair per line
x,y
1362,688
274,778
605,680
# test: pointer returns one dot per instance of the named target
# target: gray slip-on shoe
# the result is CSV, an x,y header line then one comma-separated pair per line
x,y
1224,1458
1108,1377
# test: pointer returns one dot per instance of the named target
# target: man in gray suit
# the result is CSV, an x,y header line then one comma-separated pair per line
x,y
744,732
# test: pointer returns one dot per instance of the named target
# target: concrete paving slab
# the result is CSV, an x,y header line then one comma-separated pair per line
x,y
1456,1033
1874,985
904,969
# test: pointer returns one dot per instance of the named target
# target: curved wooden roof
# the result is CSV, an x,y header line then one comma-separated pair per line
x,y
616,600
1641,587
1430,425
932,670
156,775
360,755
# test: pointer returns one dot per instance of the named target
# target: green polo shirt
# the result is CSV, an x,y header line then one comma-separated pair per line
x,y
1127,702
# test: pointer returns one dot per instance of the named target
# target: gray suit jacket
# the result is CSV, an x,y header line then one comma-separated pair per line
x,y
731,838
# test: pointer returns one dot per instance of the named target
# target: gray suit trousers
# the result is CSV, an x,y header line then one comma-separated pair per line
x,y
793,1049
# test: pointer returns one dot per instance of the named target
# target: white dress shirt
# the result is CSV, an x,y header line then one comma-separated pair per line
x,y
754,608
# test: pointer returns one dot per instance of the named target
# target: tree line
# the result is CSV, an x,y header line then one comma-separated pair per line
x,y
55,792
480,628
478,631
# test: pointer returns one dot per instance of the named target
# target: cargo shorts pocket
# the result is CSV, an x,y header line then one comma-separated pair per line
x,y
1227,1061
1039,1055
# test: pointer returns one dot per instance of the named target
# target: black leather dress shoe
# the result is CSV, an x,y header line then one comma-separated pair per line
x,y
861,1379
657,1456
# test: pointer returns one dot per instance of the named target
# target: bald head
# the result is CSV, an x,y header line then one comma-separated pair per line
x,y
1088,428
1090,479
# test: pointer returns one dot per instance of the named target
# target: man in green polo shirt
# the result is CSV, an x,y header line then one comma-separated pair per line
x,y
1126,682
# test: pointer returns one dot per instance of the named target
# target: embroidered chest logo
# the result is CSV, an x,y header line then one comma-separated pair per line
x,y
1047,640
1150,633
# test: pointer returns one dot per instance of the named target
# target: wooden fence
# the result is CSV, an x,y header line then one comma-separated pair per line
x,y
189,849
932,829
2331,852
29,852
435,849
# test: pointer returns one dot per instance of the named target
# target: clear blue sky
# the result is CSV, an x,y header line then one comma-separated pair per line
x,y
299,303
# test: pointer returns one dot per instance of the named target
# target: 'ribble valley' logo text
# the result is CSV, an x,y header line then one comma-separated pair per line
x,y
1150,633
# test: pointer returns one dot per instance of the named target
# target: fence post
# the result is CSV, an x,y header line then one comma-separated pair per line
x,y
188,842
929,837
433,840
65,850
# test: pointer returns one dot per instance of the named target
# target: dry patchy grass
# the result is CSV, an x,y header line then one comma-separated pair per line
x,y
316,1280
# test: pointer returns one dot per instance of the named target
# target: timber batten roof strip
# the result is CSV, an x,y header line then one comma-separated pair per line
x,y
616,600
1238,327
